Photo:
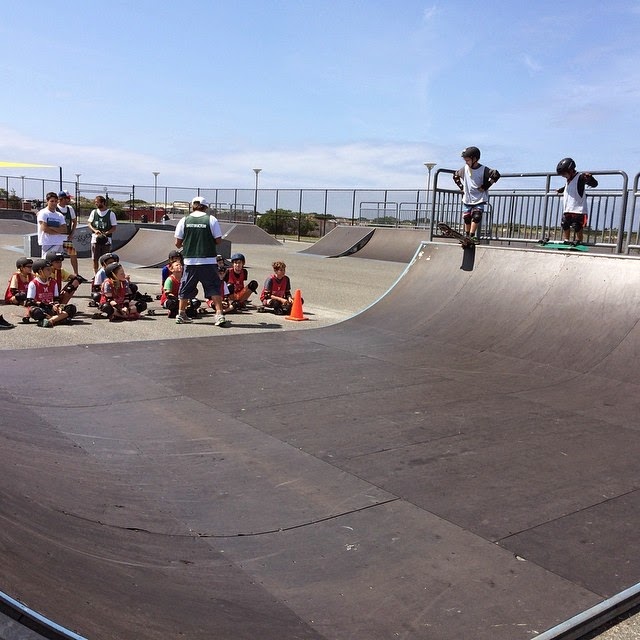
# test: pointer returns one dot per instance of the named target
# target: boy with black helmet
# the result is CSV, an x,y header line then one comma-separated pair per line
x,y
16,292
60,275
236,277
474,180
116,299
574,202
43,301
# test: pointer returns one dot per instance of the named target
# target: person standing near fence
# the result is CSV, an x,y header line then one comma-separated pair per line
x,y
71,220
574,198
52,227
474,181
102,222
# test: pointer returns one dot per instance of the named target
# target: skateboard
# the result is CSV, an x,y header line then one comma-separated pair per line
x,y
466,241
562,245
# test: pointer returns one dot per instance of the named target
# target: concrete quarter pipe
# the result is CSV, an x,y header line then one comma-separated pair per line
x,y
457,461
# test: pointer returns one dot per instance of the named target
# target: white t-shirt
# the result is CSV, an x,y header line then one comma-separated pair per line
x,y
472,180
51,219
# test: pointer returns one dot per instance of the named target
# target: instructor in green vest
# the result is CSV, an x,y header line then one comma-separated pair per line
x,y
198,235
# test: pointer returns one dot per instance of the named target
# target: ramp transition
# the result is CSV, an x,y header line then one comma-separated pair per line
x,y
394,245
341,241
457,461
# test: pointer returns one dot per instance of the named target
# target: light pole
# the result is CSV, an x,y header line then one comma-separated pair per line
x,y
22,195
255,197
77,202
155,193
429,166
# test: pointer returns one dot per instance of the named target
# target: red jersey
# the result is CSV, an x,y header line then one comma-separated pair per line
x,y
17,283
236,279
119,292
275,287
174,285
44,292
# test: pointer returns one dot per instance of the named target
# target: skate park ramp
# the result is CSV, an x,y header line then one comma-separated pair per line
x,y
457,461
147,248
341,241
393,245
246,234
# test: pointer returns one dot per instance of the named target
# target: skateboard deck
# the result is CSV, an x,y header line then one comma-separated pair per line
x,y
465,241
563,245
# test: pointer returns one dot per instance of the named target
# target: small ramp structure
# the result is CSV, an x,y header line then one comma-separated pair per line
x,y
246,234
341,241
460,460
392,245
147,248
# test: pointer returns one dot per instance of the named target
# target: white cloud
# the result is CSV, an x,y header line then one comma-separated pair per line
x,y
386,165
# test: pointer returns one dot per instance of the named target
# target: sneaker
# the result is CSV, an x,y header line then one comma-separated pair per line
x,y
219,320
80,279
45,323
182,318
4,324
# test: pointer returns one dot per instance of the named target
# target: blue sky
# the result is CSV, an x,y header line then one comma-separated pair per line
x,y
316,94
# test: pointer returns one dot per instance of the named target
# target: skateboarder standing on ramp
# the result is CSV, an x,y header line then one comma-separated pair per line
x,y
474,180
197,235
574,204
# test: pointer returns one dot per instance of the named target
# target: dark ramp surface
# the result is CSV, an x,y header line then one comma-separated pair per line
x,y
341,241
147,248
393,245
458,461
246,234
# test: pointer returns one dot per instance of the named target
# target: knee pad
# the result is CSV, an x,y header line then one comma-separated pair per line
x,y
37,314
565,224
69,288
467,218
171,304
232,288
476,215
95,296
70,310
20,297
253,286
191,312
141,306
194,303
107,309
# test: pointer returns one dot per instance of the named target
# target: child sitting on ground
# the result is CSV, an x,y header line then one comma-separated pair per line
x,y
276,293
16,292
169,297
101,276
42,298
60,275
235,277
116,299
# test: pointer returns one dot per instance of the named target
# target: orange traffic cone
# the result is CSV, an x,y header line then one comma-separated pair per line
x,y
296,309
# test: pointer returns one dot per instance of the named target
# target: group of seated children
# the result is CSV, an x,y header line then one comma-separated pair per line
x,y
38,286
45,289
236,289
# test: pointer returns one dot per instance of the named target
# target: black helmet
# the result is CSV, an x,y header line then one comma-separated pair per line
x,y
23,262
566,165
109,256
40,264
54,255
238,256
111,269
471,152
